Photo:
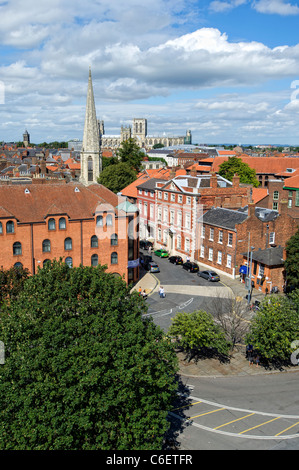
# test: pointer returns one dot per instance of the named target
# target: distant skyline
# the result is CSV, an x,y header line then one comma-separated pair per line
x,y
228,70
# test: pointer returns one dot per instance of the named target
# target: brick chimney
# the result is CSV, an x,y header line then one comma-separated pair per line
x,y
251,209
236,181
172,173
193,171
213,180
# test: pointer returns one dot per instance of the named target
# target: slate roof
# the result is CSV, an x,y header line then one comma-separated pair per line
x,y
270,256
262,213
150,184
225,218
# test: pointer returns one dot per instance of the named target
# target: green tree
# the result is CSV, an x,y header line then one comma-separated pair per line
x,y
130,153
84,370
274,327
117,177
235,165
12,283
292,261
196,332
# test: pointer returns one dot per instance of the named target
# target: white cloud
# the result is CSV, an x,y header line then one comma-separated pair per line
x,y
279,7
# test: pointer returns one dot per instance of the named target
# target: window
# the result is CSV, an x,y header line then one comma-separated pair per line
x,y
69,261
145,192
275,206
10,227
220,238
152,193
159,213
17,248
140,191
46,246
275,195
229,261
297,199
159,234
219,257
188,218
94,260
160,194
68,244
290,203
187,245
114,258
62,223
202,251
230,239
261,270
165,234
51,224
99,221
172,217
165,214
114,239
179,242
203,231
180,198
188,200
211,234
172,197
272,238
1,228
109,219
151,211
179,219
210,254
94,242
18,265
166,196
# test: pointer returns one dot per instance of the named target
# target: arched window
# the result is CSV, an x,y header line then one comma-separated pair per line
x,y
51,224
69,261
62,223
114,239
109,219
18,265
94,260
10,227
99,221
94,242
17,248
68,244
114,258
46,246
1,228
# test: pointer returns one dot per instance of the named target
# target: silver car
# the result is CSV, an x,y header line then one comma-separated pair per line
x,y
209,275
152,267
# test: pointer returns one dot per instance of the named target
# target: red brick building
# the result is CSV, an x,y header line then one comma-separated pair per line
x,y
226,236
82,225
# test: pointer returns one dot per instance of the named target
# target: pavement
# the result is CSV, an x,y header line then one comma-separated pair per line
x,y
238,364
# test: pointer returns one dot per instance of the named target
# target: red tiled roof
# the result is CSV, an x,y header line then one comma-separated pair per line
x,y
292,182
258,194
266,165
41,199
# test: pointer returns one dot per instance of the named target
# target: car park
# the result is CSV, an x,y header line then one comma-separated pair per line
x,y
209,275
152,267
175,259
162,253
190,266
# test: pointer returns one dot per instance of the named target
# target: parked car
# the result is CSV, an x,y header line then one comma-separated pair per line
x,y
175,259
190,266
162,253
144,259
152,267
209,275
145,244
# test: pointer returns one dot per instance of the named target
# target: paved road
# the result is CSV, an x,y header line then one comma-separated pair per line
x,y
238,413
228,413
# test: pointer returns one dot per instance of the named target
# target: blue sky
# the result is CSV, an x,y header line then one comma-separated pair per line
x,y
228,70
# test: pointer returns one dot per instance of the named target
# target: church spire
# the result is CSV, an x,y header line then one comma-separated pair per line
x,y
90,154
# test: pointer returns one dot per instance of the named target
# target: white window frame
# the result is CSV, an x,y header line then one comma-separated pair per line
x,y
220,236
211,235
203,231
272,238
211,253
179,242
229,261
202,251
230,239
219,257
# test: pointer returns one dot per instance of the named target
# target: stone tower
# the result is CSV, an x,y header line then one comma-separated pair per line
x,y
26,139
91,162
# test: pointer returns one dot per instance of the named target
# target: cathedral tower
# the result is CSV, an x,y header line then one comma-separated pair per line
x,y
91,162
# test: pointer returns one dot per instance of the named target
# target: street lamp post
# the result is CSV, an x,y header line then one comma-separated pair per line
x,y
249,279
